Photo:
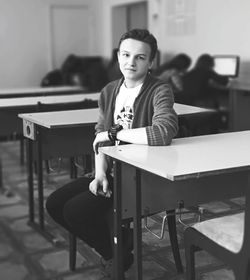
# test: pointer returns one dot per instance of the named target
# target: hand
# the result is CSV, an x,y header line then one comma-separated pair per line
x,y
100,137
100,186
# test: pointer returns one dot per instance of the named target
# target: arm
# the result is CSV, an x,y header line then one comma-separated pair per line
x,y
164,125
158,123
100,186
219,80
176,81
135,136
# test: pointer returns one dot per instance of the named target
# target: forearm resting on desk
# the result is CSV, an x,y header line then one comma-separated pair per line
x,y
134,136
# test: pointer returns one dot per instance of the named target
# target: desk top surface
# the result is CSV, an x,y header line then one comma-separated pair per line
x,y
190,157
59,119
33,91
86,116
55,99
240,85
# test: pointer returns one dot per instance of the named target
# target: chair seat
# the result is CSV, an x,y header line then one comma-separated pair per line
x,y
226,231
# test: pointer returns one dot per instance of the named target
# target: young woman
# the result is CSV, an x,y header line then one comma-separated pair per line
x,y
137,108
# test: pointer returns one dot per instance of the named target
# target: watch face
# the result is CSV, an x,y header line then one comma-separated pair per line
x,y
119,127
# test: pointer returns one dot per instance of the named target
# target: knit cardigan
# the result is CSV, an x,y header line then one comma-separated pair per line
x,y
153,109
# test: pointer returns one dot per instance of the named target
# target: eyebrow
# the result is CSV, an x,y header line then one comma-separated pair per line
x,y
139,54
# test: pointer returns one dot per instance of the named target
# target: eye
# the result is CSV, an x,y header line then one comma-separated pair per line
x,y
140,57
125,54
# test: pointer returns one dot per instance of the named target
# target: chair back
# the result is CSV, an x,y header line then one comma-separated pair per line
x,y
84,104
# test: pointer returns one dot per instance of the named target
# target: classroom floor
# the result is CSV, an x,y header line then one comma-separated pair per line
x,y
27,255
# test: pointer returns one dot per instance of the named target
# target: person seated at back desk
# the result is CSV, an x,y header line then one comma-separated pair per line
x,y
200,82
85,71
172,72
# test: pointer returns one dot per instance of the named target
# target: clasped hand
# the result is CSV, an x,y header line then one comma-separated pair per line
x,y
100,186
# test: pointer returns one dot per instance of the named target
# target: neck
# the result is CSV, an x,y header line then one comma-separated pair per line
x,y
132,83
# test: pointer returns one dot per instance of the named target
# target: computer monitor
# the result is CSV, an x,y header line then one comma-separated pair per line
x,y
227,65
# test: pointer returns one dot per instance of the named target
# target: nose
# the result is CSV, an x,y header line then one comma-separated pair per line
x,y
131,61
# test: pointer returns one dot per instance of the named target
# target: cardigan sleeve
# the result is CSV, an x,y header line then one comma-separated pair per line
x,y
165,120
100,126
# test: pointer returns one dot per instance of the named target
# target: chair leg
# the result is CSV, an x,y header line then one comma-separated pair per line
x,y
174,240
47,166
73,168
22,147
72,252
87,159
190,258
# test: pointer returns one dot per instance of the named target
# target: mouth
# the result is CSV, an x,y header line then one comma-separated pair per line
x,y
130,69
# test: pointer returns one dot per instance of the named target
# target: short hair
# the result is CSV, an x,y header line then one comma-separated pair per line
x,y
205,61
181,62
142,35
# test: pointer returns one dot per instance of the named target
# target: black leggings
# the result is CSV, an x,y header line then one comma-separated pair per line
x,y
85,215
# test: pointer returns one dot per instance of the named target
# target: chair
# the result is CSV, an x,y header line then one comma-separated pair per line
x,y
171,220
227,238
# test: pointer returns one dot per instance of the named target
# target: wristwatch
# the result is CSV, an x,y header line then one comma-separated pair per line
x,y
112,132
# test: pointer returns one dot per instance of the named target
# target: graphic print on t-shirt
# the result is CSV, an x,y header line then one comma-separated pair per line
x,y
125,117
124,105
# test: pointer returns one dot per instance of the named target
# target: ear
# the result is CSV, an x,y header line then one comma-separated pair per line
x,y
151,65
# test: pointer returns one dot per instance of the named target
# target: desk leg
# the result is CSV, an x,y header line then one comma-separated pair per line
x,y
40,179
137,227
118,260
30,180
1,176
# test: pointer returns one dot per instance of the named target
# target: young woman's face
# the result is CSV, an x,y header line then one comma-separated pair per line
x,y
134,61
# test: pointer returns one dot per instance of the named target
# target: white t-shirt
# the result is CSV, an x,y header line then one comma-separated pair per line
x,y
124,112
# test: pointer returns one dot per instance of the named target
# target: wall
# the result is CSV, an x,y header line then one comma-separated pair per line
x,y
191,26
194,27
23,48
26,43
198,26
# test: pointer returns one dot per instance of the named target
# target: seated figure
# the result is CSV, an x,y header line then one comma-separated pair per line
x,y
173,71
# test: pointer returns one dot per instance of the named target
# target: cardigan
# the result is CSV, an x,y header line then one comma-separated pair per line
x,y
153,109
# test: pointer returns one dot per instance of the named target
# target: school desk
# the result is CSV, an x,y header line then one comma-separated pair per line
x,y
192,170
39,91
239,104
11,107
64,134
11,125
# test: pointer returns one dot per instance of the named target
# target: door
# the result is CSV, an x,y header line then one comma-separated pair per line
x,y
126,17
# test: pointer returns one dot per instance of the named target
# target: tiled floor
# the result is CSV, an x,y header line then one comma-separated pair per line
x,y
27,255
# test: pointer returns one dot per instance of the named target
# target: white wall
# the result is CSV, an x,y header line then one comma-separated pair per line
x,y
26,52
212,26
191,26
23,47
